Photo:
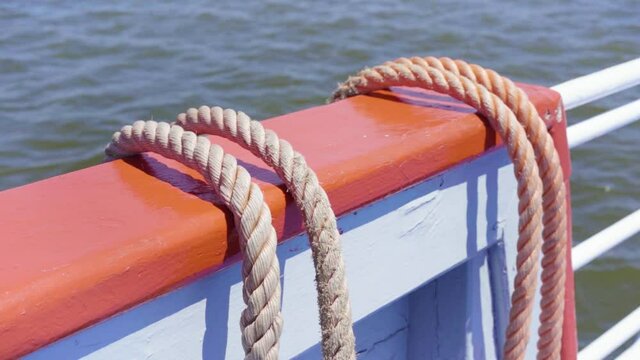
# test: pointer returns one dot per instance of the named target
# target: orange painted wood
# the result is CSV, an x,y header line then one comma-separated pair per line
x,y
80,247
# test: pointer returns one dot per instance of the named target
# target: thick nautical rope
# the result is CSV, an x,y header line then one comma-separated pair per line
x,y
338,341
521,152
261,321
554,193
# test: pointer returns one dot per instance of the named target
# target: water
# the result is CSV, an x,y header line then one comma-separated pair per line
x,y
73,72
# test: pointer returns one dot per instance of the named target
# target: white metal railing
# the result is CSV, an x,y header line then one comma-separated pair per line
x,y
597,85
613,338
632,351
605,240
574,93
604,123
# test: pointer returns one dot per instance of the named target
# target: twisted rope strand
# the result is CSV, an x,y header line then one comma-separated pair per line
x,y
503,120
505,106
554,193
338,341
261,321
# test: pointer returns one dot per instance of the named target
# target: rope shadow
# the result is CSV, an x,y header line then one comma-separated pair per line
x,y
423,99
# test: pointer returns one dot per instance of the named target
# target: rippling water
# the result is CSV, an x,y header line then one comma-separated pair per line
x,y
73,72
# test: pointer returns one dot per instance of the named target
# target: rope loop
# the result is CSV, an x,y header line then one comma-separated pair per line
x,y
261,320
338,341
536,165
554,193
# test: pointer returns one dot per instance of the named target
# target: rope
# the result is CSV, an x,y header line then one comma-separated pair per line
x,y
261,321
503,120
338,341
554,193
541,207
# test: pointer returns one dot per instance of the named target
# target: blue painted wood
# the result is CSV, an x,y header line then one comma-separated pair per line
x,y
422,340
499,285
452,317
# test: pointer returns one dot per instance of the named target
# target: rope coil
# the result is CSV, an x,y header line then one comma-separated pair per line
x,y
261,321
490,93
554,193
173,142
338,341
541,207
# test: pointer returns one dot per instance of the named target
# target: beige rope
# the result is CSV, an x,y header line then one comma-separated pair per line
x,y
504,121
338,341
554,193
508,110
261,321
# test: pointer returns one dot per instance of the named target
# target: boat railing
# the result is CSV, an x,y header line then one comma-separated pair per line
x,y
575,93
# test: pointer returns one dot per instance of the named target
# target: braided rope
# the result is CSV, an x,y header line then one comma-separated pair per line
x,y
338,341
554,193
504,121
261,321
